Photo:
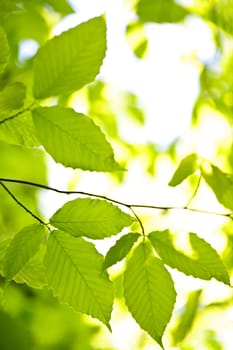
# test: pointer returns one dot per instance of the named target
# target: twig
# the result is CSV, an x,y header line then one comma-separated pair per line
x,y
21,204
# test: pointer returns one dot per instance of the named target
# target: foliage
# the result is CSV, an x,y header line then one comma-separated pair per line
x,y
40,120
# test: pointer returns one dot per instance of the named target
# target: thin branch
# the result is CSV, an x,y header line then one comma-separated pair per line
x,y
21,204
128,205
17,114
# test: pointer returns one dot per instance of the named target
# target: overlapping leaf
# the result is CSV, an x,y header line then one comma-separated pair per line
x,y
69,61
220,183
23,246
149,291
187,167
204,262
92,218
73,139
4,52
74,273
120,250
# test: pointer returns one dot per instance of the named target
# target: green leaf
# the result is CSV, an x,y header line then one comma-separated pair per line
x,y
71,60
14,162
11,98
160,11
19,130
187,317
33,273
92,218
120,249
220,183
74,273
202,262
149,291
187,167
23,246
4,52
73,139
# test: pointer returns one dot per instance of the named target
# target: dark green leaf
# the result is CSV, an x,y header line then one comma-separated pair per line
x,y
202,262
187,317
22,247
160,11
120,250
74,273
73,139
220,183
92,218
149,291
187,167
71,60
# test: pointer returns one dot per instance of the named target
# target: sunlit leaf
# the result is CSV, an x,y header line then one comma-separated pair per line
x,y
23,246
121,248
69,61
149,291
160,12
74,273
3,248
73,139
92,218
187,317
11,98
187,167
4,52
220,183
203,261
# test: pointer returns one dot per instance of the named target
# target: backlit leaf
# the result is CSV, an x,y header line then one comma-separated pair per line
x,y
92,218
74,273
149,291
187,167
187,317
220,183
160,11
73,139
23,246
71,60
4,51
203,261
121,248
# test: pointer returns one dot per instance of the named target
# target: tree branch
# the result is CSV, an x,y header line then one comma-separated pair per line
x,y
128,205
21,204
17,114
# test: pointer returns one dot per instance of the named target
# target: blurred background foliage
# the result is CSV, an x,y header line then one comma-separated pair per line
x,y
31,318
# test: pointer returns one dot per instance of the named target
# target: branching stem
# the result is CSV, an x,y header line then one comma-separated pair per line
x,y
127,205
